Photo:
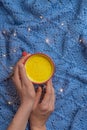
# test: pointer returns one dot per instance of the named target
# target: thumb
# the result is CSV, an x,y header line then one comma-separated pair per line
x,y
38,96
24,79
22,72
23,75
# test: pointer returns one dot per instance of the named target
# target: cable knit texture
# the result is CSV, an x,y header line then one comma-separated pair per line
x,y
57,28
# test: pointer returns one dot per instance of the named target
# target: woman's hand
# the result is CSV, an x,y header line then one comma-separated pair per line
x,y
42,110
27,96
24,86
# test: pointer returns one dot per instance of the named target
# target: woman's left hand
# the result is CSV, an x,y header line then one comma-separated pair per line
x,y
24,86
27,94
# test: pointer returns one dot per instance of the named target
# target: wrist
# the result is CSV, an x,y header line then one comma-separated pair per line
x,y
26,107
38,128
27,104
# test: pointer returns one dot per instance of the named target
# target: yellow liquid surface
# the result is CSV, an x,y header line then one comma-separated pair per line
x,y
39,68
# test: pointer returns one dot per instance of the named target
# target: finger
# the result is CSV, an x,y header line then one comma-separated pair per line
x,y
49,87
48,93
23,76
53,96
23,59
38,96
52,101
49,83
16,77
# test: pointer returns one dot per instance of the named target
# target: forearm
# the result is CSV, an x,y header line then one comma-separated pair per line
x,y
20,120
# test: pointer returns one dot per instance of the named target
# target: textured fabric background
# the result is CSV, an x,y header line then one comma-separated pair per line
x,y
59,29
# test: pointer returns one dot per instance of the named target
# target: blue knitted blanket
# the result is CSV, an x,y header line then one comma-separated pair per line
x,y
57,28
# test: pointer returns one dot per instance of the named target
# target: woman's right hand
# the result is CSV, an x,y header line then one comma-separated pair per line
x,y
42,110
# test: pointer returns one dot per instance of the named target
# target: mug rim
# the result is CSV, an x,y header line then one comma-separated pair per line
x,y
40,53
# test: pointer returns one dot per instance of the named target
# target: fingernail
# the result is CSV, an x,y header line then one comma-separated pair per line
x,y
24,53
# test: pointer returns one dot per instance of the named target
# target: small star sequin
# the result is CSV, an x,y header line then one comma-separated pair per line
x,y
9,103
11,67
61,90
4,32
62,24
80,40
4,55
29,29
47,40
14,50
41,17
15,34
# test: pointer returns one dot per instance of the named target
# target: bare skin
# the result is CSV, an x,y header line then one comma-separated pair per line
x,y
41,111
31,109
